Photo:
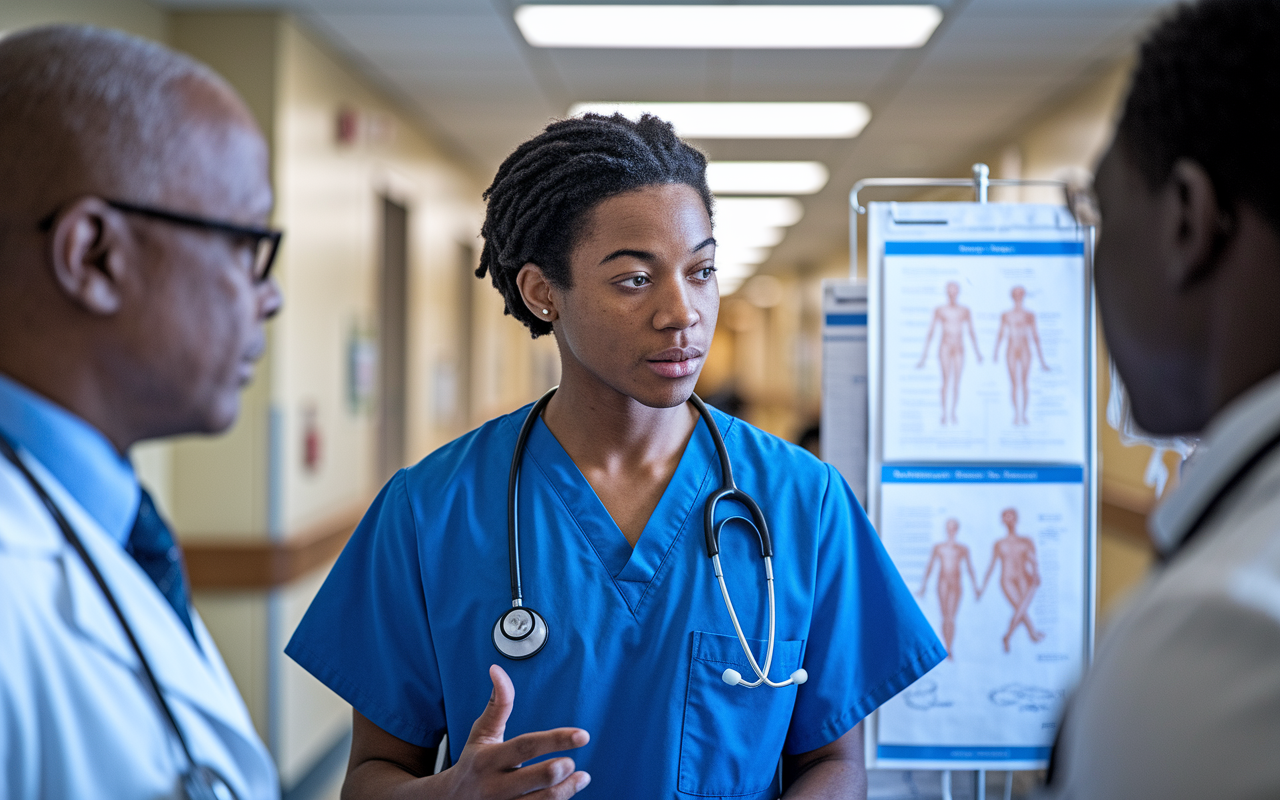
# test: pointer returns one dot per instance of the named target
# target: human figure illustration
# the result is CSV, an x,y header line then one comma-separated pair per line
x,y
949,555
953,319
1019,575
1020,324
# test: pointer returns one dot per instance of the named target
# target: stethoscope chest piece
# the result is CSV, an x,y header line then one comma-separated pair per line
x,y
520,633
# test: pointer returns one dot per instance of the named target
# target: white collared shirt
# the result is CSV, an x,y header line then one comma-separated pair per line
x,y
1183,699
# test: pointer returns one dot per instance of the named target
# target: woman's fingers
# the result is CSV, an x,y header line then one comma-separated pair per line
x,y
491,725
570,786
528,746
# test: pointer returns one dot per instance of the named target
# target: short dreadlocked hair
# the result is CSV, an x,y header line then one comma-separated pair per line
x,y
540,199
1205,88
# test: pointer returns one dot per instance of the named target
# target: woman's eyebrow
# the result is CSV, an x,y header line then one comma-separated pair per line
x,y
642,255
645,255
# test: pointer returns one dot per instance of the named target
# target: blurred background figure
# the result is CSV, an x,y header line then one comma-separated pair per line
x,y
134,285
811,439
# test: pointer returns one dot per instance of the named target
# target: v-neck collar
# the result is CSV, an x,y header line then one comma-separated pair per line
x,y
632,569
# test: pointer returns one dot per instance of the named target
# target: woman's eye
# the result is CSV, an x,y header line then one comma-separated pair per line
x,y
706,272
637,281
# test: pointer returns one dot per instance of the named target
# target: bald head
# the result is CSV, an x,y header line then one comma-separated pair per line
x,y
140,325
90,111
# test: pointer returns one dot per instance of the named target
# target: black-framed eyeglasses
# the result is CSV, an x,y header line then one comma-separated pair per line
x,y
266,241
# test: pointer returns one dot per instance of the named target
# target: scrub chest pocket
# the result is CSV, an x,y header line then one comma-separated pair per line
x,y
732,736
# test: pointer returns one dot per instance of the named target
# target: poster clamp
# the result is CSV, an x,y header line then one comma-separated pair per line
x,y
981,182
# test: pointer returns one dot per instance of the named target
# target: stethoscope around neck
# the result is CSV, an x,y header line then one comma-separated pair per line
x,y
521,632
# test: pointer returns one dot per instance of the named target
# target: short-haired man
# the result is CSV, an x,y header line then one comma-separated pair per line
x,y
133,292
1183,700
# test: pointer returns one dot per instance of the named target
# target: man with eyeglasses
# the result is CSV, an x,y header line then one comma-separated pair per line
x,y
1183,698
134,287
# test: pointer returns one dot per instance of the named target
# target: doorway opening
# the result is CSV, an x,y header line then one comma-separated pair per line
x,y
393,338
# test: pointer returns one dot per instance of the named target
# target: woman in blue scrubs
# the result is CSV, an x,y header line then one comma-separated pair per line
x,y
599,232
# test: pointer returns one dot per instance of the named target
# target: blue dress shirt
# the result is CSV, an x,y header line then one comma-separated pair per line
x,y
78,455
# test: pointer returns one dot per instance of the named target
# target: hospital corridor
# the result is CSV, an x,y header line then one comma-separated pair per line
x,y
826,294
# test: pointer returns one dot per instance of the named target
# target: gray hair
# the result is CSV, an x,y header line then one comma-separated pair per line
x,y
96,110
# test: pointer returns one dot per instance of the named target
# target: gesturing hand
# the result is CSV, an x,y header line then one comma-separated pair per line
x,y
490,769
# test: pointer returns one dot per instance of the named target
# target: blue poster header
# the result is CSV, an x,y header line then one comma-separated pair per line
x,y
983,248
846,319
981,474
962,753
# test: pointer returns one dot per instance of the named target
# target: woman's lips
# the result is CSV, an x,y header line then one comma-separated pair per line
x,y
676,362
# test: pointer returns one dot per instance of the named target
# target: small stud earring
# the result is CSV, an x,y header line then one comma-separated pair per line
x,y
545,311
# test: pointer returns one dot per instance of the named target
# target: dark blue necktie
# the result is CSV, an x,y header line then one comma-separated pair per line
x,y
151,544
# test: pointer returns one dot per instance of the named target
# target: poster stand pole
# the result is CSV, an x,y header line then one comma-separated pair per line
x,y
981,182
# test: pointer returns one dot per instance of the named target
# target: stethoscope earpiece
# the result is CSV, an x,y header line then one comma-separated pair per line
x,y
734,678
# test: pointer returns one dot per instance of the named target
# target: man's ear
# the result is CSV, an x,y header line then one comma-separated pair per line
x,y
1194,224
90,241
535,289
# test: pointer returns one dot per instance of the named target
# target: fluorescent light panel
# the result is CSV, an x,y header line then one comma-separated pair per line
x,y
764,212
747,235
734,270
747,120
731,253
738,26
766,177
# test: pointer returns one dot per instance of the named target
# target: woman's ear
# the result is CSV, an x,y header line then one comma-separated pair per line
x,y
535,289
89,255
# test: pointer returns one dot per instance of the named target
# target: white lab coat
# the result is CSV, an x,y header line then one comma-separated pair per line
x,y
78,718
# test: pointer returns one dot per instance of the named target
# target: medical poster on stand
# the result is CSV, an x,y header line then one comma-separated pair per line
x,y
981,464
984,350
993,555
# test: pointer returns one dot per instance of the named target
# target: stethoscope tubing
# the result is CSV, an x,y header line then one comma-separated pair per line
x,y
513,496
728,491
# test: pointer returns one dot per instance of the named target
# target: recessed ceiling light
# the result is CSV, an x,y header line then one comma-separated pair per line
x,y
728,26
766,177
747,120
766,212
732,253
748,235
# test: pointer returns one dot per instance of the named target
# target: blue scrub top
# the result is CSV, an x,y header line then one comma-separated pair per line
x,y
638,639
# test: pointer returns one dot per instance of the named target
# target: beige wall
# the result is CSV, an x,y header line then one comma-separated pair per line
x,y
135,16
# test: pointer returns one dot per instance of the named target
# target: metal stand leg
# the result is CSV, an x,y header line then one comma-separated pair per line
x,y
946,784
980,791
1008,786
